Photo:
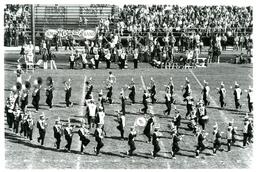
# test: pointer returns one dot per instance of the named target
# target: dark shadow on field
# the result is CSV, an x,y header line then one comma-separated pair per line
x,y
133,113
65,103
186,134
115,138
227,109
181,154
138,154
193,151
113,154
20,140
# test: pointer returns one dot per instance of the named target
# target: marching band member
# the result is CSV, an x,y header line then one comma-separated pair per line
x,y
171,88
49,92
148,128
68,90
222,91
41,125
19,72
91,113
23,123
100,118
249,98
202,114
11,104
168,101
193,120
96,55
89,88
123,98
145,102
107,57
152,90
201,136
190,101
230,135
84,59
83,133
57,130
132,93
101,99
71,61
205,92
30,127
68,132
111,77
17,118
250,131
131,141
36,93
216,139
121,122
98,138
24,96
186,88
176,120
175,143
237,95
110,91
155,141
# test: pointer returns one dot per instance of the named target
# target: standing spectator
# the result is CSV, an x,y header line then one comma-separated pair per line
x,y
71,61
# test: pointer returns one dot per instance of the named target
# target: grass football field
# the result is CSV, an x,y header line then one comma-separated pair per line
x,y
22,154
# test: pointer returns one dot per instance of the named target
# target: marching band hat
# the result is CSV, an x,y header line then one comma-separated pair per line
x,y
222,84
42,115
100,108
236,84
215,126
250,88
101,92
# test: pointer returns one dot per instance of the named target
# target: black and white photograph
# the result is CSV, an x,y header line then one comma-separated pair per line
x,y
127,85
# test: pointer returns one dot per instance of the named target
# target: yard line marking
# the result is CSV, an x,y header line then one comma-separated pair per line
x,y
83,96
250,76
222,114
162,144
214,103
81,114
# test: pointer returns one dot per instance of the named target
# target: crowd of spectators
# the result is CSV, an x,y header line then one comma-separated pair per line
x,y
154,32
16,24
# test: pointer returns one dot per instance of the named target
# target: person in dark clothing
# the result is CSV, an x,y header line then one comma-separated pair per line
x,y
68,90
83,134
68,132
148,128
145,102
49,92
89,88
222,93
168,102
131,141
41,125
201,135
36,97
57,130
175,144
110,92
121,125
152,90
155,141
132,93
98,138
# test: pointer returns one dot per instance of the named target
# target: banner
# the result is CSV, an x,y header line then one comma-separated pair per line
x,y
80,34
